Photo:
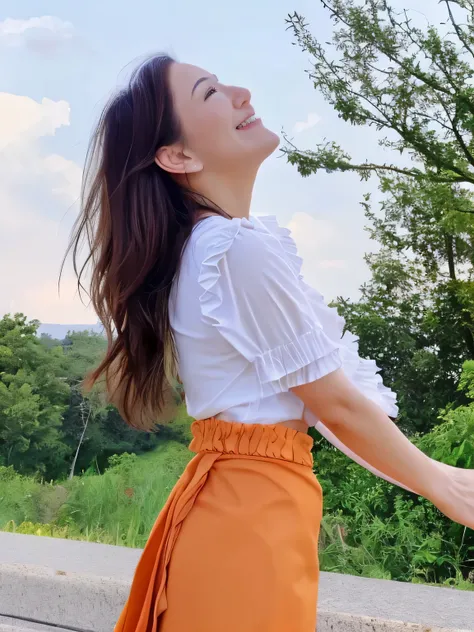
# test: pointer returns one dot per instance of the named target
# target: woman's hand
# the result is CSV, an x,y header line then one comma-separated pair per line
x,y
367,431
455,494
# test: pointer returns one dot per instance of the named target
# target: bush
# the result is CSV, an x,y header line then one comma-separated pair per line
x,y
375,529
121,506
26,499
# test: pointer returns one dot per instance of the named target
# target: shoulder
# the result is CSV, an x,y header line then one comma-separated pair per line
x,y
237,257
238,241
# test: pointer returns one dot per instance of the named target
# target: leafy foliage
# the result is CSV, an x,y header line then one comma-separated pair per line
x,y
416,314
383,71
47,425
374,529
119,507
33,397
412,85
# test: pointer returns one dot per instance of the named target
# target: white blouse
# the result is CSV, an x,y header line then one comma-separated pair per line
x,y
248,328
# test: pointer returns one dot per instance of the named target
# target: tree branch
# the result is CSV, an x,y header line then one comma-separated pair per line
x,y
421,76
458,30
432,118
383,122
368,166
441,68
458,135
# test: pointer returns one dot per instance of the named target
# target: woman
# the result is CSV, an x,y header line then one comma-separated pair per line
x,y
191,284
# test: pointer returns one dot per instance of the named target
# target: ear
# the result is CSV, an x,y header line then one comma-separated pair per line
x,y
174,159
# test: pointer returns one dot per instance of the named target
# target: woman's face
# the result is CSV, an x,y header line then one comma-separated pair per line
x,y
220,129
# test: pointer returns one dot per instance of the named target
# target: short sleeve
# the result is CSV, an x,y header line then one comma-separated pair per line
x,y
252,296
363,373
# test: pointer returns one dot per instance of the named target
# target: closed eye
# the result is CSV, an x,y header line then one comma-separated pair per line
x,y
209,92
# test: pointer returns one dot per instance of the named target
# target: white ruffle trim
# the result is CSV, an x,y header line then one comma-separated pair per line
x,y
364,374
211,298
286,240
281,364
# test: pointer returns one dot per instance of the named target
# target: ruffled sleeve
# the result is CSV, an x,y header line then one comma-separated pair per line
x,y
251,295
363,373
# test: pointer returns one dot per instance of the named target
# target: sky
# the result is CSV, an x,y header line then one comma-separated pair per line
x,y
59,62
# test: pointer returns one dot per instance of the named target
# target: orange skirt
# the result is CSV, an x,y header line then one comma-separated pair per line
x,y
235,549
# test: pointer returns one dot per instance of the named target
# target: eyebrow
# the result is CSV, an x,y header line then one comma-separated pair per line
x,y
201,80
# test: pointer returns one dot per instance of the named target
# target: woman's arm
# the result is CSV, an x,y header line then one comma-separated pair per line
x,y
364,428
312,420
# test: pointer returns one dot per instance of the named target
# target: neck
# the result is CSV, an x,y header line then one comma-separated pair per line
x,y
232,193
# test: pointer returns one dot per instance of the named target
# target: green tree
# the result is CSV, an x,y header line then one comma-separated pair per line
x,y
92,430
414,85
374,529
409,328
33,396
384,71
82,420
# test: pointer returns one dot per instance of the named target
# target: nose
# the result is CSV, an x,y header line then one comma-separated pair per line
x,y
241,97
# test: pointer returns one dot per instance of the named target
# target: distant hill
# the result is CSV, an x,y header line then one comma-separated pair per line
x,y
60,331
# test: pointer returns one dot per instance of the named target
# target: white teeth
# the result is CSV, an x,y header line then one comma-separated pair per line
x,y
251,119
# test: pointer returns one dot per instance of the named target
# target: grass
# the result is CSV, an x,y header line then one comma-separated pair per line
x,y
121,506
379,560
25,498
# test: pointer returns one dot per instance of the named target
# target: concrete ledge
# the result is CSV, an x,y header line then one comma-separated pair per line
x,y
429,607
15,624
48,584
12,628
352,623
330,622
82,602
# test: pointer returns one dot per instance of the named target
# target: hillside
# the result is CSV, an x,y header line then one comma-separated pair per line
x,y
60,331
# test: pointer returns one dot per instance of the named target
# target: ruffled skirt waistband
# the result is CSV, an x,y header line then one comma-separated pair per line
x,y
274,441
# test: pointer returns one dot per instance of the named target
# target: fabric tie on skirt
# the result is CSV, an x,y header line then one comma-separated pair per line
x,y
235,546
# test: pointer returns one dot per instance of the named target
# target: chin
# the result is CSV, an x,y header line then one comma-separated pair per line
x,y
275,139
269,144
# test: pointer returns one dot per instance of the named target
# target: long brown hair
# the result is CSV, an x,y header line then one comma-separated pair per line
x,y
136,219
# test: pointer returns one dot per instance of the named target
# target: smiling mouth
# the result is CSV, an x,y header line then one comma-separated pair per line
x,y
248,121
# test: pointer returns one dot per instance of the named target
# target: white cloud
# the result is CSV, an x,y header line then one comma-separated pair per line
x,y
24,119
36,192
61,28
311,120
339,264
67,175
310,232
44,34
317,241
